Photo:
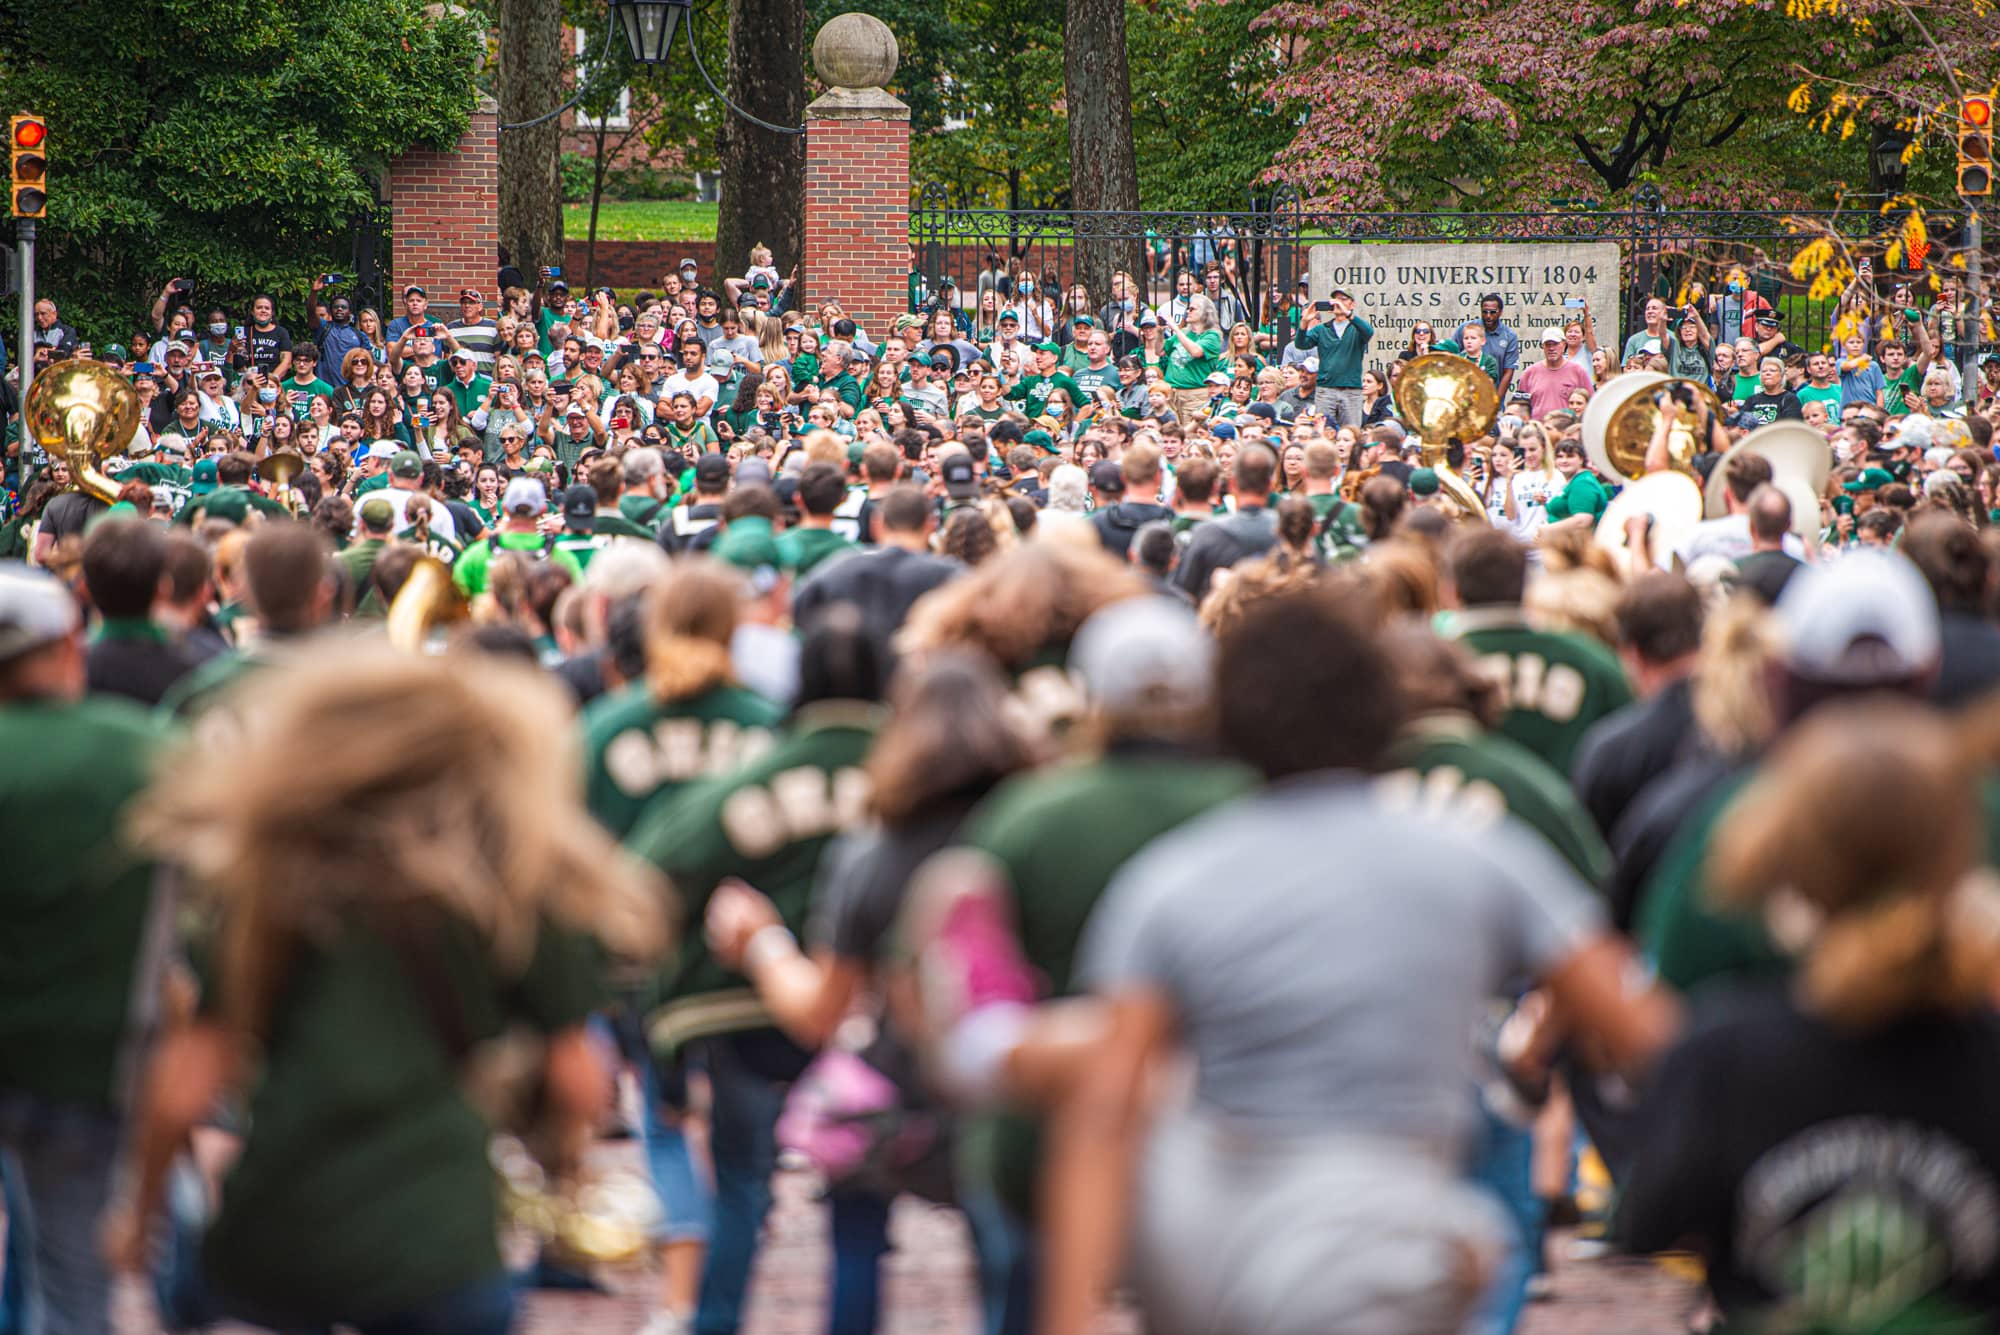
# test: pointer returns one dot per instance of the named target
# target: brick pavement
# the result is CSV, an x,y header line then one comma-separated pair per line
x,y
929,1286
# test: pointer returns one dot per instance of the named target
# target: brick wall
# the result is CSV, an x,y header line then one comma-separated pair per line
x,y
446,209
858,214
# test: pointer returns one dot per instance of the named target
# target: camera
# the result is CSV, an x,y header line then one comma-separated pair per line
x,y
333,279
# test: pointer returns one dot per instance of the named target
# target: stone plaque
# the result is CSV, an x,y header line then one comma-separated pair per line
x,y
1394,286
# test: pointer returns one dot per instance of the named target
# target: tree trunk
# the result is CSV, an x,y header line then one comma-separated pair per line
x,y
529,83
763,172
1104,169
597,172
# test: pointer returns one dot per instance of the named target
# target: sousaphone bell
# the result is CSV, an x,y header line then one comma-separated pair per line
x,y
1800,461
1618,429
1444,400
278,470
84,412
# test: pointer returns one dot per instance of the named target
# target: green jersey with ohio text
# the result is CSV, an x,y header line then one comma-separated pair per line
x,y
1451,768
1555,684
768,823
637,749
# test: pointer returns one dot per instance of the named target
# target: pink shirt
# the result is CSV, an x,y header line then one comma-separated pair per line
x,y
1549,387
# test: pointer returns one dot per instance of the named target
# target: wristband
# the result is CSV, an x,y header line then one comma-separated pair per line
x,y
765,944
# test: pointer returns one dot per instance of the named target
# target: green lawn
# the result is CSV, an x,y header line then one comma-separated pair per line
x,y
642,220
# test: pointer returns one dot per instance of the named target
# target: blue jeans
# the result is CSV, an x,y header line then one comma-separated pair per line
x,y
747,1093
14,1264
1502,1156
1005,1247
685,1197
860,1222
482,1308
60,1157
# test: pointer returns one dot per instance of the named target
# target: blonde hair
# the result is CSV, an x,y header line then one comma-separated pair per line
x,y
1731,692
434,781
690,617
1236,589
1582,601
1890,910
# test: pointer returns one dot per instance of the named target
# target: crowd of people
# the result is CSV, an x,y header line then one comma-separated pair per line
x,y
1079,763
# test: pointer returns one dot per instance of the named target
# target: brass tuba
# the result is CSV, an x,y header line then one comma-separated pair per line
x,y
1618,428
1800,461
1445,399
85,412
428,599
593,1217
278,470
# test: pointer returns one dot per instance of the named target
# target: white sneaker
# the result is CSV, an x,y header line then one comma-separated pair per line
x,y
663,1322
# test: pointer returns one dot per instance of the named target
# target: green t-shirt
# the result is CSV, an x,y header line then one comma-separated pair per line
x,y
1033,391
1452,767
1060,834
1746,385
76,900
1900,392
364,1186
1554,684
1583,495
1341,534
800,549
769,823
299,393
636,749
1089,379
1487,362
1185,371
1829,395
469,571
701,435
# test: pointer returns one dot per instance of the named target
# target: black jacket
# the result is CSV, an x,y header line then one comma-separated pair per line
x,y
1117,523
883,583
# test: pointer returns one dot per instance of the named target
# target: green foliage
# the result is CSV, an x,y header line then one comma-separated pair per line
x,y
577,172
230,141
1204,125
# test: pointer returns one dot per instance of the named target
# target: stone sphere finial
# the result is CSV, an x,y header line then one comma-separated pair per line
x,y
855,51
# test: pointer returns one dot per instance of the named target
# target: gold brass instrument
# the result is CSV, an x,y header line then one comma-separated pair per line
x,y
1800,461
1443,398
1618,428
598,1217
278,470
428,599
85,412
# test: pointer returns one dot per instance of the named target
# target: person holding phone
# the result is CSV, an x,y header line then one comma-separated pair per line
x,y
1341,338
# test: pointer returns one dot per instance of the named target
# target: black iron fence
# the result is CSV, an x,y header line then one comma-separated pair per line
x,y
1267,249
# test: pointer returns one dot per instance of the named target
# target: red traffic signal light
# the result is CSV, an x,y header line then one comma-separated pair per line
x,y
1975,146
27,137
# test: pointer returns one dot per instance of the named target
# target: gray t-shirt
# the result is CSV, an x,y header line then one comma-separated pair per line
x,y
1327,952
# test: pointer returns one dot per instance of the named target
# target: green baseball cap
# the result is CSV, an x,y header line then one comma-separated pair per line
x,y
1424,482
1047,346
204,477
406,464
748,545
1041,440
1871,479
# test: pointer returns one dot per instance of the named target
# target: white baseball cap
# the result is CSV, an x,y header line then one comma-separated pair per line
x,y
35,610
383,449
525,496
1864,617
1143,654
1552,335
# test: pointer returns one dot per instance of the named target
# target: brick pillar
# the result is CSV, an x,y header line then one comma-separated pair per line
x,y
857,249
444,229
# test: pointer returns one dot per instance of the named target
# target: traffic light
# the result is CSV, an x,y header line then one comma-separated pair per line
x,y
1975,146
27,142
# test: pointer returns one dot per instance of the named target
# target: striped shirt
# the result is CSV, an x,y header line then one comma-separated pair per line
x,y
480,338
